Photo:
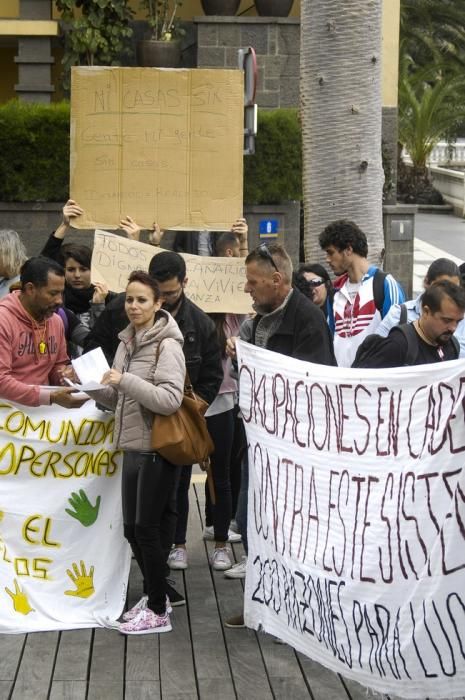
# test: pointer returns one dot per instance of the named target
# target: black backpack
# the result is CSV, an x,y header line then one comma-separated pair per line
x,y
370,346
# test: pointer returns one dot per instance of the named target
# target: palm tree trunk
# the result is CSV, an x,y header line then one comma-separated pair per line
x,y
340,63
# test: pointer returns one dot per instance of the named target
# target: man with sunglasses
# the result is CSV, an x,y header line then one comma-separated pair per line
x,y
287,322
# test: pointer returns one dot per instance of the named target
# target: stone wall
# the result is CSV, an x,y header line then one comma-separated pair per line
x,y
399,243
276,41
36,221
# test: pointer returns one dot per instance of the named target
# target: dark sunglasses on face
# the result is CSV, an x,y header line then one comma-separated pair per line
x,y
263,252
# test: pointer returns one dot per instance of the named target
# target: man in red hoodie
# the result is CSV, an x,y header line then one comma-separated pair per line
x,y
32,340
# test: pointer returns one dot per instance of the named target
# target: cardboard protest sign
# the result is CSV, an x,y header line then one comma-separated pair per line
x,y
214,284
356,520
157,144
65,562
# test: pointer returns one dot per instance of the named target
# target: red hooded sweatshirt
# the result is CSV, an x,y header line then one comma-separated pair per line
x,y
22,368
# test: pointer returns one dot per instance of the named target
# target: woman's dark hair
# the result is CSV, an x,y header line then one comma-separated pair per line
x,y
144,278
219,319
81,253
440,267
302,284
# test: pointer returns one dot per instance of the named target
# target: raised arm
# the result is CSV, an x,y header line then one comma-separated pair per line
x,y
241,229
132,231
52,248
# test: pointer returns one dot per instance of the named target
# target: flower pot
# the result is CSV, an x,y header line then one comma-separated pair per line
x,y
159,54
273,8
220,7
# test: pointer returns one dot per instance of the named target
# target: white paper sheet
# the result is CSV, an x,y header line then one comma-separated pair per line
x,y
90,369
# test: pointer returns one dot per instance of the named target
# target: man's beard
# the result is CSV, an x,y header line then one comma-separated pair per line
x,y
171,306
444,338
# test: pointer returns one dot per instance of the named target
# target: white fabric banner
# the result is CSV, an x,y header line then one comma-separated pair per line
x,y
64,562
356,520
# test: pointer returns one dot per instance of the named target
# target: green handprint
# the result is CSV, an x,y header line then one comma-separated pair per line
x,y
83,581
20,600
83,511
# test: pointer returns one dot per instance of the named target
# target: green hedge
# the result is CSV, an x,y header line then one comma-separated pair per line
x,y
274,173
34,155
34,152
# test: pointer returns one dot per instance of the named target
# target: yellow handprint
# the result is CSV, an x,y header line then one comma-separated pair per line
x,y
20,601
83,581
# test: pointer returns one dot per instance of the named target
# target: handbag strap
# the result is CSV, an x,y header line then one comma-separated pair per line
x,y
187,380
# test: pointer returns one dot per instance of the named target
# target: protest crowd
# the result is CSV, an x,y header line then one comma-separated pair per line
x,y
156,341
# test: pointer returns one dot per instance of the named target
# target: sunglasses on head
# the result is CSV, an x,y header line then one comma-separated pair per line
x,y
316,282
264,252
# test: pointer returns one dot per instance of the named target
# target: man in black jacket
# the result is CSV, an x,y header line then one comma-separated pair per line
x,y
286,322
201,350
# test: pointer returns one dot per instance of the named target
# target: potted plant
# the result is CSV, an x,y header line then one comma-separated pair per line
x,y
273,8
162,47
220,7
98,33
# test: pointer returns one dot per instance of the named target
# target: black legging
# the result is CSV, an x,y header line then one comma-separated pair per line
x,y
149,517
221,429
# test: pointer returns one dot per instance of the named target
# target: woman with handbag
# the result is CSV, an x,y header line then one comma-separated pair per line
x,y
147,378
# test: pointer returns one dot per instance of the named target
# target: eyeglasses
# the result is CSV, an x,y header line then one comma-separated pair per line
x,y
264,252
315,282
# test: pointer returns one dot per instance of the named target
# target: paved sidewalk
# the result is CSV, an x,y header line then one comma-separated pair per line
x,y
424,254
437,236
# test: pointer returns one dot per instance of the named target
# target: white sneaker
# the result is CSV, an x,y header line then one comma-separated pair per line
x,y
220,559
135,610
234,526
238,570
209,534
177,558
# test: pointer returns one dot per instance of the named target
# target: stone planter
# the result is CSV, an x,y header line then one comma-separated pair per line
x,y
273,8
159,54
220,8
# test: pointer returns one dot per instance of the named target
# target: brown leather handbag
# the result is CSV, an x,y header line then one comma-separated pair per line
x,y
182,438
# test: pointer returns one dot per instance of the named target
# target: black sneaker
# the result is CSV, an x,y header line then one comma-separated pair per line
x,y
176,599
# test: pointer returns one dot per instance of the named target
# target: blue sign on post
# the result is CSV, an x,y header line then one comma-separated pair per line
x,y
268,228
